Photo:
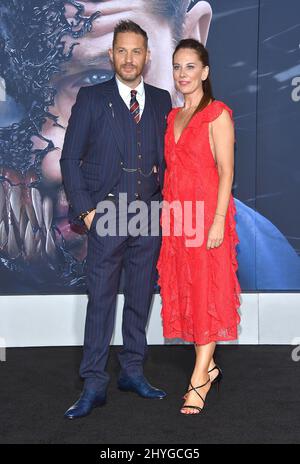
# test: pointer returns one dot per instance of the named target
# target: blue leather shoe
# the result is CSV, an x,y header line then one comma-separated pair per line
x,y
88,400
140,386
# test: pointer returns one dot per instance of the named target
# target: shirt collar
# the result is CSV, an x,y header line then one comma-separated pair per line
x,y
124,89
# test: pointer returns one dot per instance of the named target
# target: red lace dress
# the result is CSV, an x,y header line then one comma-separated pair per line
x,y
199,287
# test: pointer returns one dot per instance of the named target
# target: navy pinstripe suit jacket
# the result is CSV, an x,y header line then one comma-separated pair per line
x,y
94,143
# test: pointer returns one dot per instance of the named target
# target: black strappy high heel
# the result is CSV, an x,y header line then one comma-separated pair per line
x,y
195,407
217,380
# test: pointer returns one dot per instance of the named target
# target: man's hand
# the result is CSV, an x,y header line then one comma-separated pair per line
x,y
89,219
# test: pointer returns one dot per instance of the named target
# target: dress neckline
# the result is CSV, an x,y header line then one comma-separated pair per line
x,y
187,125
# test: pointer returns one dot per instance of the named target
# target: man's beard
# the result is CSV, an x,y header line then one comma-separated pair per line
x,y
126,77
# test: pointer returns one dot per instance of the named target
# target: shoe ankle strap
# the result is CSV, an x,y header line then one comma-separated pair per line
x,y
213,368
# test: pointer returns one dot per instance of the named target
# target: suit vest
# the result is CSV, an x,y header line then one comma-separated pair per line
x,y
139,164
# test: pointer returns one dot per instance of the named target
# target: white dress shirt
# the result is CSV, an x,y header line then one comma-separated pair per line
x,y
125,93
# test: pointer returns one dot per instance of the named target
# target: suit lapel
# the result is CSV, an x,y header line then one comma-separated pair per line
x,y
112,108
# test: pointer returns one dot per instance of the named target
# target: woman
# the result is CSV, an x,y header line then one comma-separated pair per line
x,y
199,287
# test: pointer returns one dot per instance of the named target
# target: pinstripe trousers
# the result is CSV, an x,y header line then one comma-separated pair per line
x,y
106,258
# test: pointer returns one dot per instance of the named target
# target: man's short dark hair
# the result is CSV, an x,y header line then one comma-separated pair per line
x,y
129,26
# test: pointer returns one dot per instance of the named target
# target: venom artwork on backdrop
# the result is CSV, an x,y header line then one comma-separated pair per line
x,y
50,48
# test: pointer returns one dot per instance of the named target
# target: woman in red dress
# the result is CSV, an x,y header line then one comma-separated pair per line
x,y
199,287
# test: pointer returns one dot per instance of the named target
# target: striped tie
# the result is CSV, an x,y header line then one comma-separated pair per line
x,y
134,106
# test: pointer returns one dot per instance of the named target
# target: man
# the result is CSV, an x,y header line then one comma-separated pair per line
x,y
114,145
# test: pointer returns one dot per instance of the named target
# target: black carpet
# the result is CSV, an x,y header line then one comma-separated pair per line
x,y
259,399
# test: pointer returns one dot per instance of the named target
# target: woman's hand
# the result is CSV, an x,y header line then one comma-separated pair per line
x,y
216,233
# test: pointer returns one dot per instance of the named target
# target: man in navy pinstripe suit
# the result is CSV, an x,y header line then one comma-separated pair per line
x,y
114,145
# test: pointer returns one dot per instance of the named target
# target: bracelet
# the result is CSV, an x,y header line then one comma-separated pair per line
x,y
83,215
218,214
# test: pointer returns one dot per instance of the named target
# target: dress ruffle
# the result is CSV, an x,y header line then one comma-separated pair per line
x,y
230,301
214,110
